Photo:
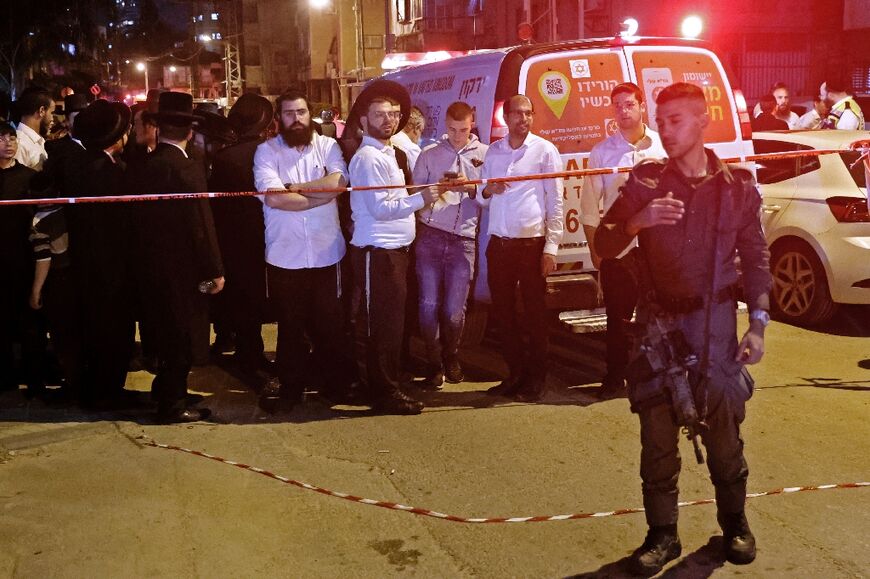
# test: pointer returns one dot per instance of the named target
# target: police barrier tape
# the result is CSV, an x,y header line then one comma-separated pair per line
x,y
348,189
456,519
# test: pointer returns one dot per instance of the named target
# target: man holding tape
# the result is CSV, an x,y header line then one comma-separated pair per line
x,y
384,228
693,215
525,224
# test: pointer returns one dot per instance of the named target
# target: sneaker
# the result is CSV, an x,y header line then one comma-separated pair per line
x,y
453,372
739,542
660,546
397,402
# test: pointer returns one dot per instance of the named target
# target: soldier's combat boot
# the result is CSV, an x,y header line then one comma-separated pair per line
x,y
739,540
661,545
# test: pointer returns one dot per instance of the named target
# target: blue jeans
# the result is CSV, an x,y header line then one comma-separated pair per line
x,y
445,267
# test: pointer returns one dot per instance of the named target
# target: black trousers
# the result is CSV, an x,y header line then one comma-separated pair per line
x,y
62,307
380,276
171,307
314,346
619,285
512,264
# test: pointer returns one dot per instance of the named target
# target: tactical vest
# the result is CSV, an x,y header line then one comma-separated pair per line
x,y
838,110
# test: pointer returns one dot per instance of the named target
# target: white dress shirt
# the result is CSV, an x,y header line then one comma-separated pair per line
x,y
600,191
300,239
411,149
382,218
531,208
811,120
31,148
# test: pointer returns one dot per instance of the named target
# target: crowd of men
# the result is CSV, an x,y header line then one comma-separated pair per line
x,y
330,267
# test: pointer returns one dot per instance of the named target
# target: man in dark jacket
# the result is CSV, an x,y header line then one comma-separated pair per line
x,y
239,224
180,255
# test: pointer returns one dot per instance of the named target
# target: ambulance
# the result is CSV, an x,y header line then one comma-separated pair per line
x,y
569,84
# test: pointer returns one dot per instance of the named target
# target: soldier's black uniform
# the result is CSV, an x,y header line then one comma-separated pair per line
x,y
679,259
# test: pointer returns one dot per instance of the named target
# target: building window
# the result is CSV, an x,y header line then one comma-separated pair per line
x,y
214,15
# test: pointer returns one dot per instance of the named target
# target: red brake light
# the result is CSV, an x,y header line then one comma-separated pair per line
x,y
499,127
743,115
849,209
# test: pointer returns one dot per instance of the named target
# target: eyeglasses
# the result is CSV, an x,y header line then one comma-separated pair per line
x,y
9,139
392,115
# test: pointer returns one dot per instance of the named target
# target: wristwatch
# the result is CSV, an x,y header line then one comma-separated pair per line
x,y
761,316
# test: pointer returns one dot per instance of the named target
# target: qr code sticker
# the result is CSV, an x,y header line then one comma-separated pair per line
x,y
554,87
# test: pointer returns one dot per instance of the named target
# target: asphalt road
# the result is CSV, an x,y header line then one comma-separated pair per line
x,y
81,495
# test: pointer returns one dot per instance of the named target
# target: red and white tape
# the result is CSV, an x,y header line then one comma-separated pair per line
x,y
456,519
222,194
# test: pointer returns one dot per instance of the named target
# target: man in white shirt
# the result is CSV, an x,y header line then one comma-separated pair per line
x,y
408,139
304,248
525,225
815,117
632,143
36,108
384,228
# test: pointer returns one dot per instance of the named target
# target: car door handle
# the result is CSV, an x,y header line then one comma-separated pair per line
x,y
770,208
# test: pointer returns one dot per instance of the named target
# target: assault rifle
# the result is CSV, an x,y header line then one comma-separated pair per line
x,y
667,354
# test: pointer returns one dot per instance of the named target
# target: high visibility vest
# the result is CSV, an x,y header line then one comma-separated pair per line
x,y
837,111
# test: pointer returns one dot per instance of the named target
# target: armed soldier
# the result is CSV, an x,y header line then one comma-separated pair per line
x,y
692,215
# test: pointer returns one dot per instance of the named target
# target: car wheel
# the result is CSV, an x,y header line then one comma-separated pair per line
x,y
800,286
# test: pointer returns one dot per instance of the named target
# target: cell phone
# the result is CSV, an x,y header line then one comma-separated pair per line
x,y
451,175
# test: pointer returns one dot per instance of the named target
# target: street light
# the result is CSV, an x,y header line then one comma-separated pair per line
x,y
142,67
172,68
204,38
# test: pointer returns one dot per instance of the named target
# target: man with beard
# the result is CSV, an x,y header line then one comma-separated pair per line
x,y
384,228
36,108
304,248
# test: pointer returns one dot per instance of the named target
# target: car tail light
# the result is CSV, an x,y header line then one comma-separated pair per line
x,y
743,115
849,209
499,126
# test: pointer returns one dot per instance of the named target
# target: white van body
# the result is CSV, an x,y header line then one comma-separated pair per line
x,y
569,84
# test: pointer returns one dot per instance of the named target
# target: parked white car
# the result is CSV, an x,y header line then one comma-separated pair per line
x,y
816,221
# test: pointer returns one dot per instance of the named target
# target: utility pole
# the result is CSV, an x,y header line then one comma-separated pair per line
x,y
232,59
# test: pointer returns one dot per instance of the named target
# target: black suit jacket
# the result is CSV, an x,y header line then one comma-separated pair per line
x,y
177,238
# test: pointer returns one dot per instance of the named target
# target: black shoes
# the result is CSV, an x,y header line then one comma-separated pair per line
x,y
453,372
661,545
611,387
507,388
531,391
739,540
397,402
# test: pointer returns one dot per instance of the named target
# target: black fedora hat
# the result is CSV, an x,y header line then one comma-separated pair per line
x,y
380,88
73,103
101,124
175,108
250,115
213,124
